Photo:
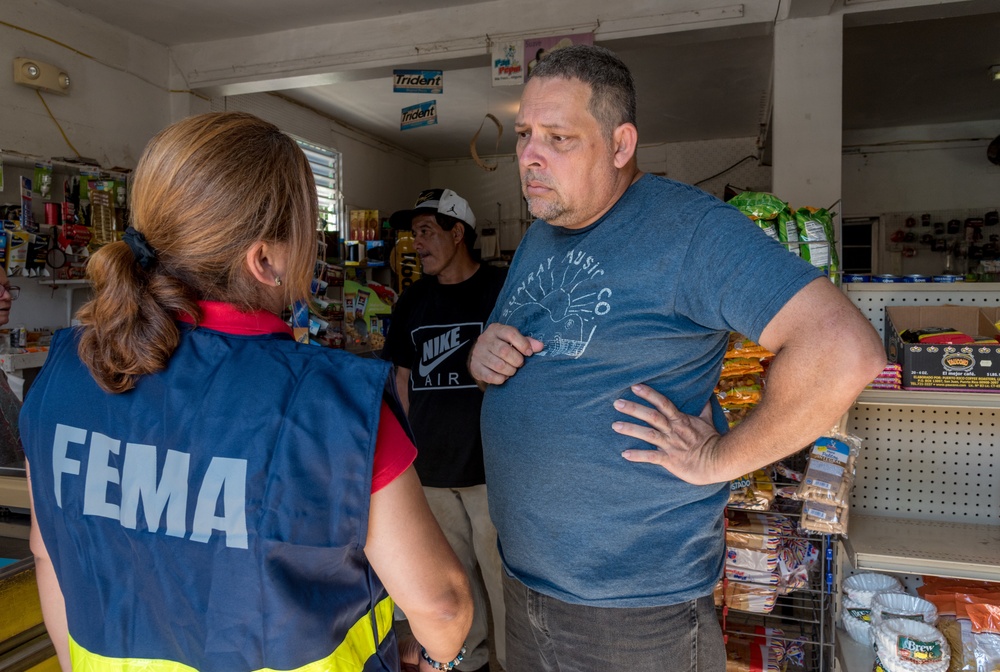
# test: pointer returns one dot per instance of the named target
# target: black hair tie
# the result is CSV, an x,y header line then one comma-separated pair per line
x,y
143,252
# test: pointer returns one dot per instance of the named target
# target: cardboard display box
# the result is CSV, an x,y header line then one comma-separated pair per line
x,y
972,367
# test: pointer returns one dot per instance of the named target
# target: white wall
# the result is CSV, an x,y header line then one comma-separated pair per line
x,y
376,175
695,162
920,168
494,195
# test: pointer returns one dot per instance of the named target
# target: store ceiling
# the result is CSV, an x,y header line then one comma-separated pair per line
x,y
901,68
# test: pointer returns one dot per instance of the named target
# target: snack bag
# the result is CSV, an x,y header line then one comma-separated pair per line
x,y
788,232
741,347
737,391
815,226
740,366
762,208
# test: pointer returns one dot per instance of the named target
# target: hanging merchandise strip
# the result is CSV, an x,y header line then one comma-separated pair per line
x,y
472,143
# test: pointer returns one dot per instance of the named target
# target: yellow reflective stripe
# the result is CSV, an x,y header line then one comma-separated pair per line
x,y
358,646
83,660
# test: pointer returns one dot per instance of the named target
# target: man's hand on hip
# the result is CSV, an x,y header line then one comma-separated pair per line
x,y
682,444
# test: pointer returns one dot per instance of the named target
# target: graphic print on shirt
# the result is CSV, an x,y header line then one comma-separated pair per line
x,y
559,304
443,350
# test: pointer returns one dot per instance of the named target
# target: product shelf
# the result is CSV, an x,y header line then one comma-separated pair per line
x,y
11,362
989,400
907,546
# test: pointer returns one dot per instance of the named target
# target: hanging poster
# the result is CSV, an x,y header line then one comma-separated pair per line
x,y
507,66
417,81
421,114
536,48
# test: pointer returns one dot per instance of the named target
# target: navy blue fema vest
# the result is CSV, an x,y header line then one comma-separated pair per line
x,y
214,517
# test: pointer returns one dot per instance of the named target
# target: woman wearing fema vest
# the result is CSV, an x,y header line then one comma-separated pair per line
x,y
207,493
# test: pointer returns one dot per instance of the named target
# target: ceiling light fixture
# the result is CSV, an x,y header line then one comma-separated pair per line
x,y
995,73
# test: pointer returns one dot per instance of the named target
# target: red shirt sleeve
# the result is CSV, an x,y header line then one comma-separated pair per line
x,y
394,451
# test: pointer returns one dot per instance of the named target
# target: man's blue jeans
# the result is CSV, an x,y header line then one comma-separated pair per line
x,y
548,635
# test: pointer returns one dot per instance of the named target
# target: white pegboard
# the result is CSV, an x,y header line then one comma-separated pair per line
x,y
927,463
872,298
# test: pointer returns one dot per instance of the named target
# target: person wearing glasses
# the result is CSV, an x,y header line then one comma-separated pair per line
x,y
11,454
207,493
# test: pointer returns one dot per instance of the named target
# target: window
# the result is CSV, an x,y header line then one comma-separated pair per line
x,y
326,170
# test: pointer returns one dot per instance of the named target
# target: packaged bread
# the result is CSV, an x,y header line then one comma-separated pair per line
x,y
752,559
747,529
753,492
821,518
829,473
746,596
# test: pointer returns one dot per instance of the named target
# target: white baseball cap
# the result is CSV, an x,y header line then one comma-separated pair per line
x,y
441,201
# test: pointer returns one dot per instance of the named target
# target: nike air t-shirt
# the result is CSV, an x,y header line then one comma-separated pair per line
x,y
432,332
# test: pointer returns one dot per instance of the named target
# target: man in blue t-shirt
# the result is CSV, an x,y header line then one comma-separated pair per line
x,y
605,449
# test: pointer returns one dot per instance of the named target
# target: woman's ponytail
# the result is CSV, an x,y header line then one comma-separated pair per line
x,y
129,327
206,189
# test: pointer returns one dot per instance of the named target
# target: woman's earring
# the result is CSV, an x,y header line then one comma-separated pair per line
x,y
277,281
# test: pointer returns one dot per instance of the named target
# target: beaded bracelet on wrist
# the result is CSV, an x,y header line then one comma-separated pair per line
x,y
443,666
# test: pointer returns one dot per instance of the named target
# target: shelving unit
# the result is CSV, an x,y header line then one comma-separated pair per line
x,y
927,491
806,615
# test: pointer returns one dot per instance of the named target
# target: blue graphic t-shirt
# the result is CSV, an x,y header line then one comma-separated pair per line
x,y
647,294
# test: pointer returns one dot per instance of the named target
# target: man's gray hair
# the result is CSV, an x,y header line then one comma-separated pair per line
x,y
612,89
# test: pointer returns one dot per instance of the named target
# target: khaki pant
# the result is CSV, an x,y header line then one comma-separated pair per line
x,y
463,516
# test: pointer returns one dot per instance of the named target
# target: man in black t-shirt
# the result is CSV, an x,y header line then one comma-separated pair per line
x,y
434,326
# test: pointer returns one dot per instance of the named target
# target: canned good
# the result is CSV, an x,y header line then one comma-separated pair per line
x,y
886,277
857,277
916,278
949,278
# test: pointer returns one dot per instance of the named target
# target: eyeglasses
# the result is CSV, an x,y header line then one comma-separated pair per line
x,y
12,290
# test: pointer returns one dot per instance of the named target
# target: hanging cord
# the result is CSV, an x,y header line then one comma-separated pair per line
x,y
725,170
56,121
